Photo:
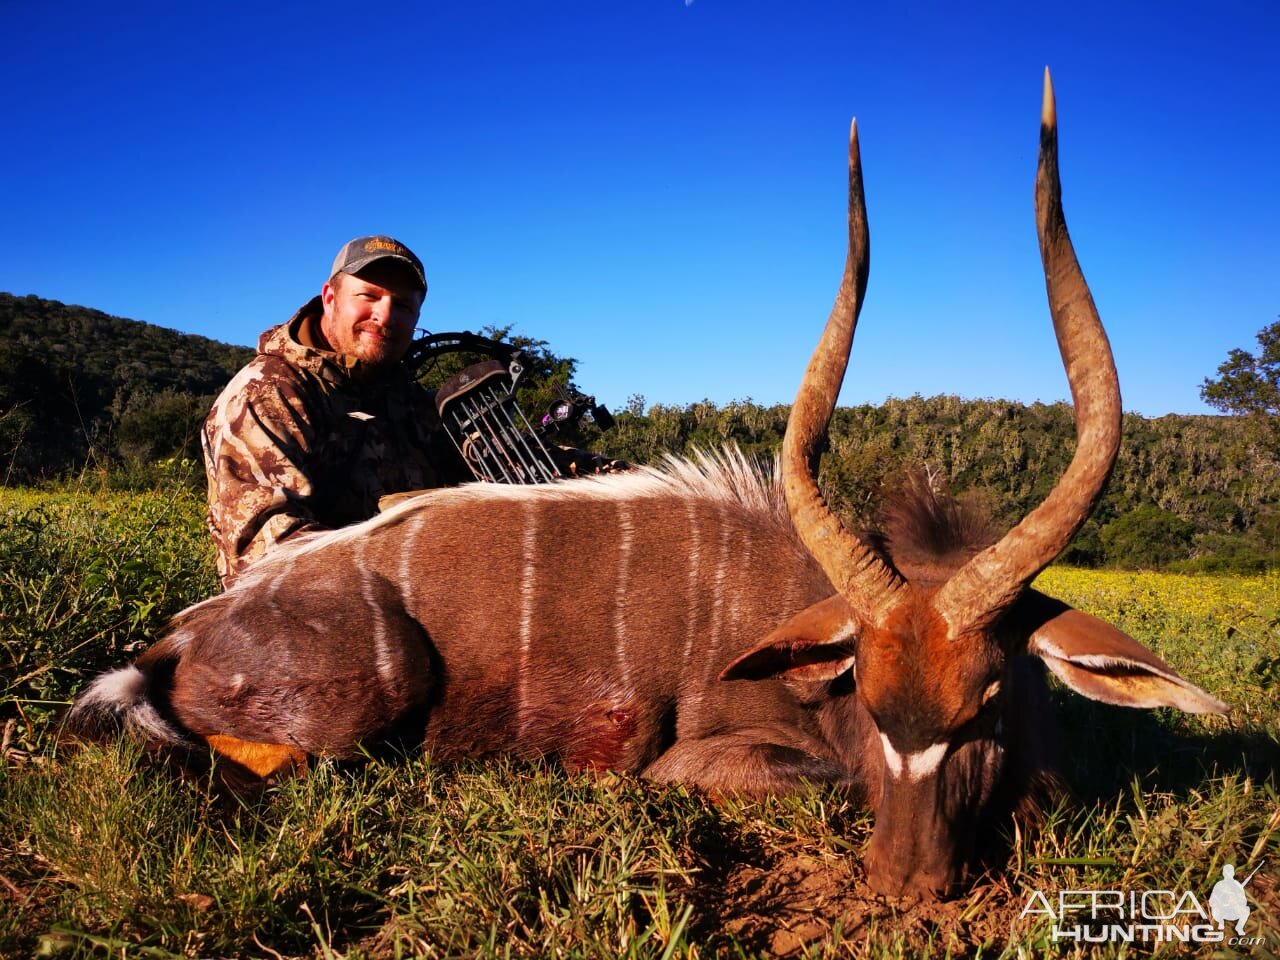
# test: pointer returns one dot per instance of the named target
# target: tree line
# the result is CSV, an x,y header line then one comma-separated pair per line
x,y
81,388
1187,492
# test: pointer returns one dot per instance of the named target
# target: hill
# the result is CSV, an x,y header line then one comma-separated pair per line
x,y
78,385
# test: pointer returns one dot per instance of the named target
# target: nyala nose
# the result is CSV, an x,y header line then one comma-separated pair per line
x,y
922,884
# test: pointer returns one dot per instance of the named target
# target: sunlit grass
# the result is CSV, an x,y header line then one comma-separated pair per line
x,y
1220,632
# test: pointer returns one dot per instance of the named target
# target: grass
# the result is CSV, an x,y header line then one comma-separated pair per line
x,y
103,854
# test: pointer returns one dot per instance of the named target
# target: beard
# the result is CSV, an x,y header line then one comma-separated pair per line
x,y
377,350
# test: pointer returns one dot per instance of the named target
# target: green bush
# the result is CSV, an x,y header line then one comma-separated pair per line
x,y
1146,538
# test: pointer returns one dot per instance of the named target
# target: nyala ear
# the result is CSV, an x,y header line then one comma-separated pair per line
x,y
1100,662
815,644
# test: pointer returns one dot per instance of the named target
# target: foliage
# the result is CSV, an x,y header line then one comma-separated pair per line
x,y
102,853
1249,384
1147,536
153,427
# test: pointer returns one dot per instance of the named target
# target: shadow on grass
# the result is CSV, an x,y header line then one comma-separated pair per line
x,y
1105,747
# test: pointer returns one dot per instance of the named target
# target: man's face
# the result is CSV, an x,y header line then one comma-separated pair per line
x,y
371,317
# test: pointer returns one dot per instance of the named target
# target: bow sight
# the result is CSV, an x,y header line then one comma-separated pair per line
x,y
479,413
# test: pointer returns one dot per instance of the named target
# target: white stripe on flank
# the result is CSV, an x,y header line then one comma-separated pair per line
x,y
713,639
917,765
528,606
382,654
273,586
179,639
412,530
720,580
695,571
622,590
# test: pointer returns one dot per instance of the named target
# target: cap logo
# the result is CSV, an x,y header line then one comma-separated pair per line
x,y
379,244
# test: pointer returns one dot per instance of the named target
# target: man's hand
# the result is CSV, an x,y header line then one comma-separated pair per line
x,y
573,462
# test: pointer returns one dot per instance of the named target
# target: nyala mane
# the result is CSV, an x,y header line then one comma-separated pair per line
x,y
924,532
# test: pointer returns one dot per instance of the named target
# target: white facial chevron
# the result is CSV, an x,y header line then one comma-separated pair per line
x,y
917,765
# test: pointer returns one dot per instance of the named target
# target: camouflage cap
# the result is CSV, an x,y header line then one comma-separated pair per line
x,y
357,254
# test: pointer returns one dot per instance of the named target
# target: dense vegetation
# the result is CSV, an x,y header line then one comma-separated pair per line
x,y
78,387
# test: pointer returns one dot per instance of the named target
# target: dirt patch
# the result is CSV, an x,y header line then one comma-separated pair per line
x,y
800,901
802,904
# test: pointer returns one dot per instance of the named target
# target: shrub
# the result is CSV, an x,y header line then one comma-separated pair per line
x,y
1147,537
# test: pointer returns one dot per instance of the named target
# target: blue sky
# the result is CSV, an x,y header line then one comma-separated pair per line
x,y
656,186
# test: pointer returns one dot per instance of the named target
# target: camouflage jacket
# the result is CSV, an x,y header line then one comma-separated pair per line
x,y
303,440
